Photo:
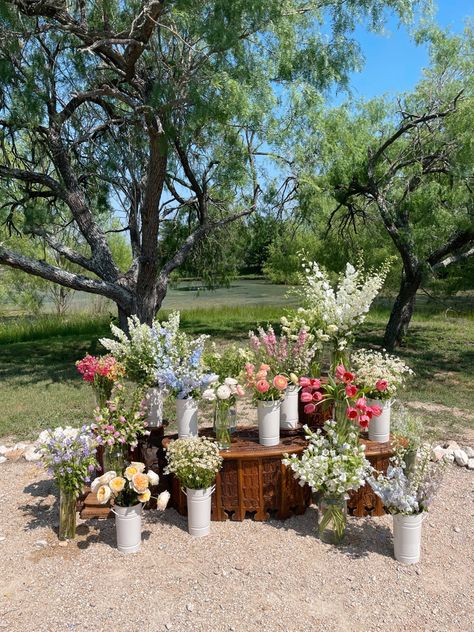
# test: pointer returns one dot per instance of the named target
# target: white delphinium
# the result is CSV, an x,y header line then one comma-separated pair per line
x,y
338,311
381,374
330,465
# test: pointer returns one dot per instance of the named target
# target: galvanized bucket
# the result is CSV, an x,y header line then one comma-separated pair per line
x,y
128,525
289,408
199,511
268,422
407,537
187,418
379,427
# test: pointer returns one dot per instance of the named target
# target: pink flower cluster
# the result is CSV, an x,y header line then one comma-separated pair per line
x,y
261,381
344,390
106,366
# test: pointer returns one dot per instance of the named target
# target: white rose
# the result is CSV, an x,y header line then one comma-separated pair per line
x,y
103,494
162,500
209,395
223,392
230,381
153,477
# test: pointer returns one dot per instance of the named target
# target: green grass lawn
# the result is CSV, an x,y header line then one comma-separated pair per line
x,y
39,385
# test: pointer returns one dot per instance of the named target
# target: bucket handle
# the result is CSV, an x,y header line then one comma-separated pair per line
x,y
213,487
114,512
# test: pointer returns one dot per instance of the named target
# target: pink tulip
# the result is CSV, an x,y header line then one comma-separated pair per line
x,y
351,413
309,409
317,396
376,410
351,390
381,385
315,383
340,370
305,381
364,421
361,404
306,397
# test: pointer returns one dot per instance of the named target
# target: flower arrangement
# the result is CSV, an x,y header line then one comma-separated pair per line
x,y
341,391
195,462
129,488
264,387
380,374
410,492
102,372
337,311
290,352
329,465
138,351
225,392
69,455
119,422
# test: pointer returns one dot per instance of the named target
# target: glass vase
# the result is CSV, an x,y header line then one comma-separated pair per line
x,y
337,357
103,392
115,457
344,426
67,514
222,423
332,519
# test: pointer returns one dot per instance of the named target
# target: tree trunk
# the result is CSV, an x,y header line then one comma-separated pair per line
x,y
123,314
402,311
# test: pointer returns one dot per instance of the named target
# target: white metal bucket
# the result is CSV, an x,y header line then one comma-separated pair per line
x,y
128,525
407,537
289,408
379,427
268,422
187,418
199,511
155,398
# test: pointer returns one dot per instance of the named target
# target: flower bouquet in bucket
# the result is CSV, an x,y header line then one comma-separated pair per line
x,y
195,462
268,390
224,397
407,495
69,454
381,376
129,490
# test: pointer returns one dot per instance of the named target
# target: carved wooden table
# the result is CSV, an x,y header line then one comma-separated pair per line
x,y
253,480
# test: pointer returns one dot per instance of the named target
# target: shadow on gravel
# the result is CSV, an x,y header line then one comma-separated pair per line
x,y
43,512
100,531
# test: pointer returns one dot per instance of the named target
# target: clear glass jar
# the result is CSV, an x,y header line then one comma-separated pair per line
x,y
115,457
222,423
332,518
67,514
338,357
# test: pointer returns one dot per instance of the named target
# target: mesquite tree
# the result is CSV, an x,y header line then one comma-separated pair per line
x,y
408,166
142,112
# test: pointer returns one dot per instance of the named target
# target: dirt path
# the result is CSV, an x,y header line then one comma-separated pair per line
x,y
244,577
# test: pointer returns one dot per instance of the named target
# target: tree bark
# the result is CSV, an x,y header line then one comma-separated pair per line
x,y
402,310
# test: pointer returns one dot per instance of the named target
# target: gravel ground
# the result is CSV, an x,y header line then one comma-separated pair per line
x,y
245,576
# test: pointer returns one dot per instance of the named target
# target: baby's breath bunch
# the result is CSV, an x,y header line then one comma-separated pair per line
x,y
195,461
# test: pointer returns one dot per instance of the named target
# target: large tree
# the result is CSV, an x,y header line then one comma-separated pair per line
x,y
145,110
408,166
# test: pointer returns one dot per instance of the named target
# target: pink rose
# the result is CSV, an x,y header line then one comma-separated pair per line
x,y
381,385
309,408
306,397
262,386
351,390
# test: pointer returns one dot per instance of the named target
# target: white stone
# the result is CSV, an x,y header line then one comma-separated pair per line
x,y
2,538
3,459
451,446
32,455
449,456
3,449
470,464
20,446
457,529
461,458
438,453
189,607
41,544
470,452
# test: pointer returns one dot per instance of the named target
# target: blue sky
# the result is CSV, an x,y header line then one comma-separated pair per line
x,y
393,63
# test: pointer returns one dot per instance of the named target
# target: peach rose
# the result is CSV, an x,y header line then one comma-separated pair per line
x,y
140,483
145,497
117,484
103,494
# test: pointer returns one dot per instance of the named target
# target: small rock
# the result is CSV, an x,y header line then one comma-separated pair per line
x,y
32,455
449,456
457,529
469,451
168,626
189,607
2,537
14,454
418,571
62,543
470,464
461,458
41,544
3,459
3,449
451,446
438,453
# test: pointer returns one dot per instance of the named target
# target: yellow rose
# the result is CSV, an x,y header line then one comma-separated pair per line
x,y
103,494
138,465
130,472
117,484
145,497
140,483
